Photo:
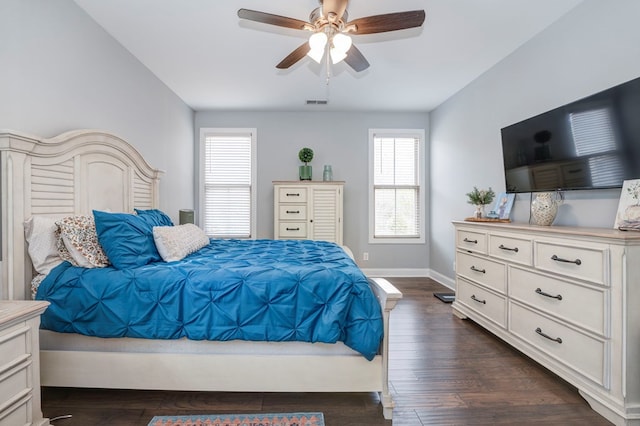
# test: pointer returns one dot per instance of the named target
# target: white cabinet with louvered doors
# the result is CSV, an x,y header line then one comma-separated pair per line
x,y
568,298
308,210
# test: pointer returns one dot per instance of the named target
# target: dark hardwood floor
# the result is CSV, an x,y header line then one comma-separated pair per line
x,y
443,370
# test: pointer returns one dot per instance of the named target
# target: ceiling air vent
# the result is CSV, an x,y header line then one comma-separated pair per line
x,y
316,101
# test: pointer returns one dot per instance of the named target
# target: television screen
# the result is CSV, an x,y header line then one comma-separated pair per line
x,y
592,143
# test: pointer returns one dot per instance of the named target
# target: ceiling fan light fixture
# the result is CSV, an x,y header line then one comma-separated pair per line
x,y
317,43
341,44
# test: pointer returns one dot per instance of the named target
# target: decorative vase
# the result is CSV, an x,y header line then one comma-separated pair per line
x,y
305,172
544,209
479,214
327,174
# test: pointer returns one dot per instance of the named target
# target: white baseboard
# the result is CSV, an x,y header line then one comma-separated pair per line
x,y
395,272
410,272
442,279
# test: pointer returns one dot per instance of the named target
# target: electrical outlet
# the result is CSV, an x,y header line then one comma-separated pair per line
x,y
365,256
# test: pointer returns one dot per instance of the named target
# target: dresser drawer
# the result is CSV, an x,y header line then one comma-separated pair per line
x,y
17,415
292,195
580,352
14,384
13,343
482,270
517,250
293,230
585,263
471,241
579,304
486,303
293,212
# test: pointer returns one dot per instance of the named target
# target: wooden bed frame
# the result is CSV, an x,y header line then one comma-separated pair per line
x,y
83,170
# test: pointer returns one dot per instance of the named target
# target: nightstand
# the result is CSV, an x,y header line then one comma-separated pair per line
x,y
20,363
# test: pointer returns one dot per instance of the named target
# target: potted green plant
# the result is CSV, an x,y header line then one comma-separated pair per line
x,y
480,198
305,155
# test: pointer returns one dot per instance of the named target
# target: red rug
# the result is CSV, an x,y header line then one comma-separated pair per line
x,y
281,419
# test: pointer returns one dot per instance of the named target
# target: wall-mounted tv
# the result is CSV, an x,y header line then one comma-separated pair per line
x,y
592,143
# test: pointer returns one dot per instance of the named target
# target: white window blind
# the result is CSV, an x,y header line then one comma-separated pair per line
x,y
593,137
396,187
228,182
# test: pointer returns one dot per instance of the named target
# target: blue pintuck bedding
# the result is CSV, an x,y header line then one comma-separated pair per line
x,y
273,290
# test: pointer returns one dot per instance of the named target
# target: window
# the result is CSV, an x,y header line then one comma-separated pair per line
x,y
396,186
594,138
227,182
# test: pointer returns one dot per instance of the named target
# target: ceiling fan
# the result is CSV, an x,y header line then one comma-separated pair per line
x,y
331,28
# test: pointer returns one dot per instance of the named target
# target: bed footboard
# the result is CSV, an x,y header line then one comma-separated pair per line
x,y
388,296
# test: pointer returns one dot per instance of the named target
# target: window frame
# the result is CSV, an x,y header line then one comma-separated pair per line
x,y
399,133
220,131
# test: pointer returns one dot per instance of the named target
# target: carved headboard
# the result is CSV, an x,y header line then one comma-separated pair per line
x,y
69,174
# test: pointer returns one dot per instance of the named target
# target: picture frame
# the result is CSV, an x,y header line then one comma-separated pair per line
x,y
628,215
504,203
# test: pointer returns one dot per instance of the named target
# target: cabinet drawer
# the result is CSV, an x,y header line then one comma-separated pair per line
x,y
482,270
18,415
582,305
13,343
580,352
518,250
293,230
293,212
14,384
486,303
472,241
585,263
292,195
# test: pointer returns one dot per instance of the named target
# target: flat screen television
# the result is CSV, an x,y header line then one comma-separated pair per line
x,y
592,143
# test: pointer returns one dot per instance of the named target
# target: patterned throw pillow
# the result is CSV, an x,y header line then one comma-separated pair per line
x,y
177,242
78,242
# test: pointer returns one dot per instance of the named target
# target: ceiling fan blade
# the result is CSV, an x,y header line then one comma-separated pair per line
x,y
388,22
268,18
356,60
294,56
334,8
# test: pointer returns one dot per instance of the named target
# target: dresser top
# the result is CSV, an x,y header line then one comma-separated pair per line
x,y
607,233
16,309
308,182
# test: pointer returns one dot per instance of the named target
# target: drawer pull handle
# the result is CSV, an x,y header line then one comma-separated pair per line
x,y
482,271
293,194
559,259
542,293
501,247
466,240
546,336
293,229
473,297
293,211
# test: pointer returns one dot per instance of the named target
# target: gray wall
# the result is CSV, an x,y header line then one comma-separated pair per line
x,y
60,71
339,139
594,47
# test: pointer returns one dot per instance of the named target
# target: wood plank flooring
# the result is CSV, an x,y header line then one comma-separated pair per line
x,y
443,370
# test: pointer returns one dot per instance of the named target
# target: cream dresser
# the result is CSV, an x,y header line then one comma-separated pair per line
x,y
308,210
20,363
567,297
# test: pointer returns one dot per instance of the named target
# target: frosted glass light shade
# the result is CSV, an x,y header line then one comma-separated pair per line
x,y
341,44
317,42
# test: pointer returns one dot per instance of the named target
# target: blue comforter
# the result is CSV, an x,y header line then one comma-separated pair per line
x,y
273,290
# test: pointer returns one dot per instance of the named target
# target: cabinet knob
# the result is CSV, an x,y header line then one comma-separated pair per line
x,y
546,336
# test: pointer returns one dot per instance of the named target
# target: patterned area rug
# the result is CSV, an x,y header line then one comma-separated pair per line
x,y
281,419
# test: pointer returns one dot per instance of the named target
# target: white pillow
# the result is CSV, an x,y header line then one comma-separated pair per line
x,y
40,233
176,242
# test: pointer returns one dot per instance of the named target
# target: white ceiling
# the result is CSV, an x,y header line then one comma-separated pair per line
x,y
213,60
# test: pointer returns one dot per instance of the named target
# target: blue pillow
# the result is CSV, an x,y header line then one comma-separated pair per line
x,y
158,215
127,239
